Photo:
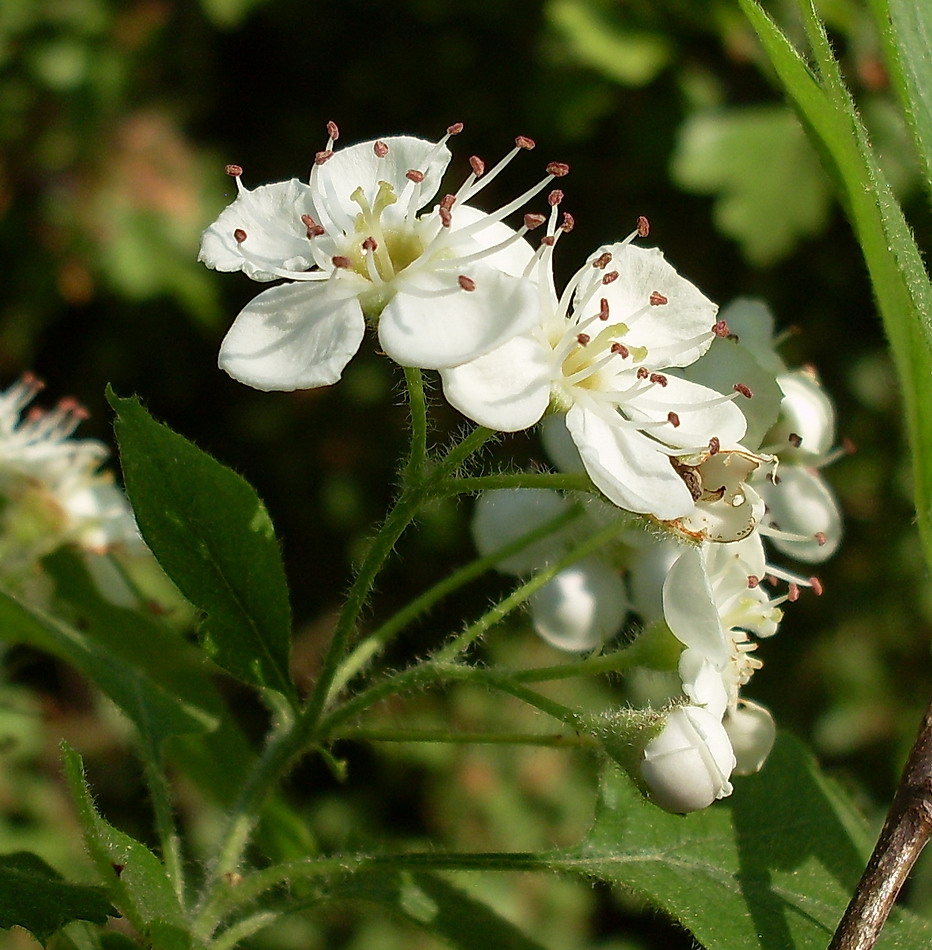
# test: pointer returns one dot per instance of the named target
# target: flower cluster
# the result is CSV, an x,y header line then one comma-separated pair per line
x,y
53,490
681,417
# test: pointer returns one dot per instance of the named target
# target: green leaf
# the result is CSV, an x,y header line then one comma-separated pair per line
x,y
156,711
774,866
212,535
906,29
770,188
135,877
895,264
435,905
37,898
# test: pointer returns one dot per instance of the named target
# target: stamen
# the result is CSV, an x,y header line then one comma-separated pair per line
x,y
603,309
239,235
816,586
821,538
341,262
555,197
569,222
619,349
714,445
467,283
313,228
532,221
744,390
602,261
234,171
477,166
558,169
333,131
583,339
673,419
523,141
412,174
753,581
643,227
720,329
380,148
455,129
795,440
610,277
659,378
657,299
321,157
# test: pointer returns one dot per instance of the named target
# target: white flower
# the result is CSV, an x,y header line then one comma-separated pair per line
x,y
687,766
752,732
443,286
53,490
601,361
582,606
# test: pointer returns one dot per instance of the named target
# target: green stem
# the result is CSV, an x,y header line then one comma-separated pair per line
x,y
475,630
242,929
160,795
458,453
370,647
553,740
554,480
417,405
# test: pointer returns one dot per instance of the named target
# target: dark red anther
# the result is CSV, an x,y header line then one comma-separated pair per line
x,y
721,330
239,235
793,593
323,156
467,283
659,378
643,226
817,587
848,445
380,148
583,339
341,262
558,169
657,299
234,171
795,440
313,228
673,419
744,390
602,261
413,174
642,372
370,244
753,581
715,445
477,165
522,141
603,309
619,349
455,129
532,221
610,277
446,202
569,222
445,217
555,197
821,539
333,130
549,240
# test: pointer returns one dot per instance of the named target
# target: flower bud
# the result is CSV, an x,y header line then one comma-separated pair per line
x,y
687,766
751,730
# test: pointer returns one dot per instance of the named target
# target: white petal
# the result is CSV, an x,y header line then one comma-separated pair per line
x,y
507,389
581,607
276,237
359,167
690,611
807,412
437,332
802,503
688,765
295,336
752,732
505,514
664,328
628,468
512,259
752,322
703,682
698,421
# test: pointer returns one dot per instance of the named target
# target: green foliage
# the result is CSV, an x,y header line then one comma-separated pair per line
x,y
212,535
770,189
36,897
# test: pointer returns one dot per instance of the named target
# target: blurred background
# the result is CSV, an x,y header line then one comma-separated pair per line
x,y
116,119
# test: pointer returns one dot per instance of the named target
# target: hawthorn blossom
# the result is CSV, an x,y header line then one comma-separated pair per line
x,y
443,286
583,605
597,356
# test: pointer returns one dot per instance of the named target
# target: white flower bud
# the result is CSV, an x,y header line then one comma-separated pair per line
x,y
751,730
688,765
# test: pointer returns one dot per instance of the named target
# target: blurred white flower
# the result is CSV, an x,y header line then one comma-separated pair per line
x,y
443,286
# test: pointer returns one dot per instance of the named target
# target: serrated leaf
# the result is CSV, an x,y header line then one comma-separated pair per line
x,y
435,905
137,880
214,538
770,190
37,898
774,866
157,712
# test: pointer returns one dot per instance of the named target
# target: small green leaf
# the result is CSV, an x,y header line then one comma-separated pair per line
x,y
212,535
136,879
37,898
156,711
770,188
436,906
774,866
